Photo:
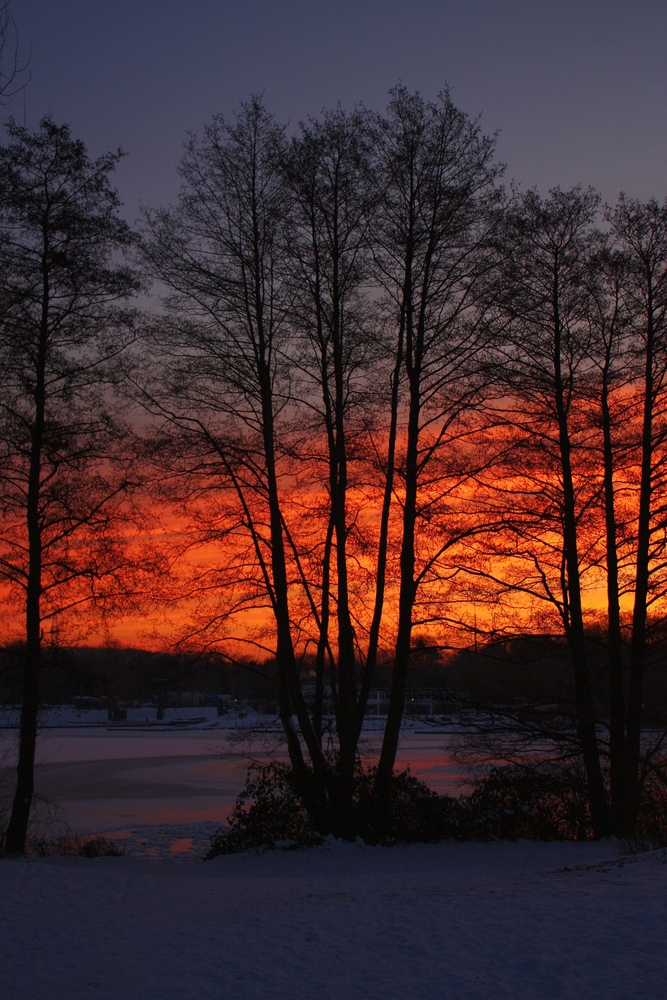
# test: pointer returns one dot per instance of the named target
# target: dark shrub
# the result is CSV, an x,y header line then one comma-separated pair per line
x,y
412,812
538,803
651,828
267,813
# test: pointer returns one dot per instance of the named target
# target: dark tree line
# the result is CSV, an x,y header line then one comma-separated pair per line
x,y
580,354
390,400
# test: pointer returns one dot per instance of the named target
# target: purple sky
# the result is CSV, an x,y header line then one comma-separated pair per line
x,y
578,88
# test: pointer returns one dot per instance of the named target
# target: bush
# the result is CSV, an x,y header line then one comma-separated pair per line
x,y
545,803
536,803
412,813
269,813
651,828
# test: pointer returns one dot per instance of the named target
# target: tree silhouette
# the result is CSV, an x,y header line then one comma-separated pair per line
x,y
63,326
307,325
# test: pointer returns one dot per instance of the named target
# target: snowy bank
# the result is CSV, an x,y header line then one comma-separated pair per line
x,y
343,920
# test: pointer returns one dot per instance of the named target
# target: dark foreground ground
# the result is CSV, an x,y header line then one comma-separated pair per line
x,y
340,921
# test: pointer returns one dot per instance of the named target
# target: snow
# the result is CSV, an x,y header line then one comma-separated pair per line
x,y
341,920
139,719
198,719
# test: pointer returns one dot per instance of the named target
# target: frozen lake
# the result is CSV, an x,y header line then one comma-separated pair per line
x,y
100,781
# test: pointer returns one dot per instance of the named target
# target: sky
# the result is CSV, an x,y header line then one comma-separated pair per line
x,y
576,88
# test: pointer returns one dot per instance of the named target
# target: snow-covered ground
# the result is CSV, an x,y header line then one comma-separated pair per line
x,y
482,921
522,920
54,716
205,717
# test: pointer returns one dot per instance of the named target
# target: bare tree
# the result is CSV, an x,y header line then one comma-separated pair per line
x,y
640,231
328,171
13,70
436,175
62,325
609,400
225,378
580,318
287,269
546,495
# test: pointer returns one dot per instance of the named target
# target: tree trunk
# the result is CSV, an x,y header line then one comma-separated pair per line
x,y
312,786
619,777
347,679
17,830
381,569
639,614
405,606
15,840
574,611
407,590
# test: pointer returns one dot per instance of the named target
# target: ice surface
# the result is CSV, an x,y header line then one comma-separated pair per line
x,y
94,780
